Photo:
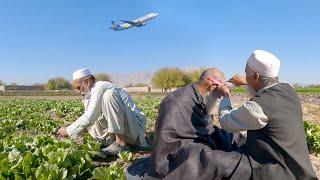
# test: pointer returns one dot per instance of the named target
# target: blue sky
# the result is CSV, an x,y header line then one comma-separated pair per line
x,y
43,39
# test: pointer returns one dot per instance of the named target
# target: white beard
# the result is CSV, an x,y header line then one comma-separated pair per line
x,y
250,91
211,102
86,92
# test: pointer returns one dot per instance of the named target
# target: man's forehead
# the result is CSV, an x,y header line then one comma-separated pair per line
x,y
217,74
216,79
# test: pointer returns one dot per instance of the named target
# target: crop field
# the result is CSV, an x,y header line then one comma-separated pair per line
x,y
29,148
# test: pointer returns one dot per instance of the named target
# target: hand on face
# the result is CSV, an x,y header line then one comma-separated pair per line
x,y
223,90
238,80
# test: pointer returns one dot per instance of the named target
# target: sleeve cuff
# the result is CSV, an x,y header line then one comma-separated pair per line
x,y
70,130
225,104
76,127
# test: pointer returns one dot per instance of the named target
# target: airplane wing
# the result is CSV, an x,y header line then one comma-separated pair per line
x,y
131,23
127,25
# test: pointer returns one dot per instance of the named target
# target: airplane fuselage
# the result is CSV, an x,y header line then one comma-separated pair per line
x,y
141,21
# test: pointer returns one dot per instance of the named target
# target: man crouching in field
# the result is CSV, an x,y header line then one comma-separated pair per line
x,y
110,114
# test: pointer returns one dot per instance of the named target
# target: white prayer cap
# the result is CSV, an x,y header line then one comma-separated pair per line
x,y
81,73
264,63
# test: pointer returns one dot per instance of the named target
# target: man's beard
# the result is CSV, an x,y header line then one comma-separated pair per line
x,y
211,102
250,91
86,91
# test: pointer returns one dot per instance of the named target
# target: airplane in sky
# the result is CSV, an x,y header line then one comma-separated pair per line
x,y
141,21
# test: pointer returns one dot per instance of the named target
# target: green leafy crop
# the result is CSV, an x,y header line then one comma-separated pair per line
x,y
313,136
29,148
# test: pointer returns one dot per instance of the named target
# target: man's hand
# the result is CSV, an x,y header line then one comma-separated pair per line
x,y
63,132
238,80
223,90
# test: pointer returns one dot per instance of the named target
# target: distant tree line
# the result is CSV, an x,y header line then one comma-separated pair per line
x,y
136,85
103,77
165,79
297,85
60,83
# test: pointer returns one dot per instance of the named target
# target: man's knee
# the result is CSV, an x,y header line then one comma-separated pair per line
x,y
111,100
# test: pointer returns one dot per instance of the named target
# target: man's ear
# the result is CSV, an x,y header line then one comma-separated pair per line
x,y
256,77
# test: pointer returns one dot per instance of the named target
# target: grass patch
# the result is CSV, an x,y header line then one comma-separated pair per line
x,y
240,89
313,136
308,90
300,90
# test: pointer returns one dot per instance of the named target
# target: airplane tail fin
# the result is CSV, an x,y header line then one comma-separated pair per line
x,y
115,25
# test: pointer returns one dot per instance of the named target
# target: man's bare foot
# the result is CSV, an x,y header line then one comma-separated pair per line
x,y
120,139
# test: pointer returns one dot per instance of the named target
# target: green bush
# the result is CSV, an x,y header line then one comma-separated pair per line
x,y
168,78
103,77
58,83
194,76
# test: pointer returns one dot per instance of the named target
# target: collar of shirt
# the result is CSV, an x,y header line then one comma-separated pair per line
x,y
199,97
266,87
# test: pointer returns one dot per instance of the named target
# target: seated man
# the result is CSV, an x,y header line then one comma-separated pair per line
x,y
109,112
185,137
276,141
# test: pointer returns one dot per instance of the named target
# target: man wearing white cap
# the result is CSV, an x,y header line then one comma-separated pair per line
x,y
110,114
276,144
